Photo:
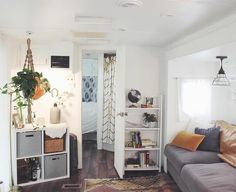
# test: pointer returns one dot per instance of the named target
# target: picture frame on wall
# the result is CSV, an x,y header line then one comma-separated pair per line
x,y
60,61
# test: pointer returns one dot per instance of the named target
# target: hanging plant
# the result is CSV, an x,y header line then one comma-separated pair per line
x,y
27,85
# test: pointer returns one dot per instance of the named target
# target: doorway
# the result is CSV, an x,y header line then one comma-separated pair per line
x,y
106,143
98,99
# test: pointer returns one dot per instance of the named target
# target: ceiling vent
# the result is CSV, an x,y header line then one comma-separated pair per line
x,y
90,20
129,3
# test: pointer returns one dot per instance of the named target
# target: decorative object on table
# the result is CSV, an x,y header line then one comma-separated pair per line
x,y
55,114
35,170
136,139
149,120
221,78
27,85
134,97
149,102
161,182
17,122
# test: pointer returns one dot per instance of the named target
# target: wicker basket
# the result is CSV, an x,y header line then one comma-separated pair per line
x,y
52,145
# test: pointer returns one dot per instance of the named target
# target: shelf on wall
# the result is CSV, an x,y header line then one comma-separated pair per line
x,y
142,129
31,182
150,168
142,108
28,157
56,153
142,149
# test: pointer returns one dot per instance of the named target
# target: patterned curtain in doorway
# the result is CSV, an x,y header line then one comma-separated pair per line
x,y
108,133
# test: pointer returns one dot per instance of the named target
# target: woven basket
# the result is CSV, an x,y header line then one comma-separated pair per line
x,y
52,145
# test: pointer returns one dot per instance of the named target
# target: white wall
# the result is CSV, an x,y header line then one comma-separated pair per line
x,y
220,34
142,70
8,55
202,65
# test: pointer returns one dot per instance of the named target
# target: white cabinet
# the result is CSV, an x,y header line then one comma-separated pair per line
x,y
143,141
34,161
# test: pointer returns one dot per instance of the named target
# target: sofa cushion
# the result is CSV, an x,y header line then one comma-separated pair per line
x,y
180,157
227,142
216,177
211,142
228,137
187,140
229,158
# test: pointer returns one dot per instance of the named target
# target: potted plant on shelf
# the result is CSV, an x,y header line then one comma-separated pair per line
x,y
149,120
27,85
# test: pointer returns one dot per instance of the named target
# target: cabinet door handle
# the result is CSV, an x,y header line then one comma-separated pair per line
x,y
55,158
29,135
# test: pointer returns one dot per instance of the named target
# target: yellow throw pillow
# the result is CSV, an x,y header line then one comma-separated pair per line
x,y
187,140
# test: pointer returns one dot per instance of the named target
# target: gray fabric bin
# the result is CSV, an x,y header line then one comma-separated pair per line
x,y
29,143
55,166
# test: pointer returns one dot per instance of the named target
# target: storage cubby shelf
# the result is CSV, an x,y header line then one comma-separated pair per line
x,y
56,153
150,168
28,145
137,157
28,157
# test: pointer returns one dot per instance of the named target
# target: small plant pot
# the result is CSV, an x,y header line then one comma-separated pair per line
x,y
152,124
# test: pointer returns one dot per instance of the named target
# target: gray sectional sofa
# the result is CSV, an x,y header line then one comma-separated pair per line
x,y
199,171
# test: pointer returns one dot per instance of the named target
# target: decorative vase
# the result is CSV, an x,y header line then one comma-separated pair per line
x,y
152,124
55,114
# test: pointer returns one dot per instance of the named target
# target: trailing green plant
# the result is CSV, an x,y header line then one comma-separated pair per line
x,y
26,85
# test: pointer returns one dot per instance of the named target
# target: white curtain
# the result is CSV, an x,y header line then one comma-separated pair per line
x,y
194,99
108,132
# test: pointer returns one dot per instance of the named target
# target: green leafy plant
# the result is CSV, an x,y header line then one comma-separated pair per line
x,y
149,117
26,85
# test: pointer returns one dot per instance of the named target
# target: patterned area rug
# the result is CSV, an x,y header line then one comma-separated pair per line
x,y
159,183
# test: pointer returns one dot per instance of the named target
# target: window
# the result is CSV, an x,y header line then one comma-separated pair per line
x,y
194,99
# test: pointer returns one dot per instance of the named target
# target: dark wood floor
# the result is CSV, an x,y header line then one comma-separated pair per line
x,y
96,164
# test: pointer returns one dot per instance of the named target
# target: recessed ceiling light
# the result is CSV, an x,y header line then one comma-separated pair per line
x,y
89,20
129,3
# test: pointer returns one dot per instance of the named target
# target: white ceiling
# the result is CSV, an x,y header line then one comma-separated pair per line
x,y
146,25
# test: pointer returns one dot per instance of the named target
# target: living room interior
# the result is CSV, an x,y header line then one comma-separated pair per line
x,y
134,95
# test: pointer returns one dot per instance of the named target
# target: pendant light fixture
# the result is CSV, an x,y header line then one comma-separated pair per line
x,y
221,78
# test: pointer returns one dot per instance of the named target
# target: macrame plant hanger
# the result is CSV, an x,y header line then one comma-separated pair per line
x,y
30,66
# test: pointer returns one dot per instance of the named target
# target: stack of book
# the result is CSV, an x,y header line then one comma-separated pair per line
x,y
133,162
148,143
144,159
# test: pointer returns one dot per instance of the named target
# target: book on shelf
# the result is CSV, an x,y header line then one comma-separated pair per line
x,y
148,143
144,159
132,166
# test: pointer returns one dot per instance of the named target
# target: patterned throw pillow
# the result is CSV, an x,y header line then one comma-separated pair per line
x,y
211,142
